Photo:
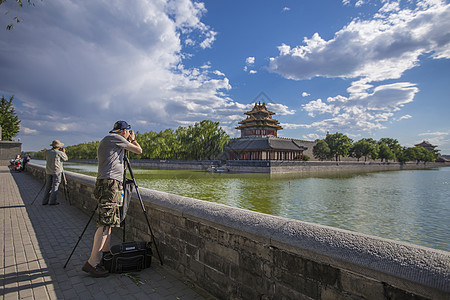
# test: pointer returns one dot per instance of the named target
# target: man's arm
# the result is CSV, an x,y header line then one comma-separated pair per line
x,y
133,146
64,156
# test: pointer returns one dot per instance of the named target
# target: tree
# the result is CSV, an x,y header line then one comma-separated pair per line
x,y
393,145
16,19
385,152
423,154
9,121
321,150
339,144
365,147
204,140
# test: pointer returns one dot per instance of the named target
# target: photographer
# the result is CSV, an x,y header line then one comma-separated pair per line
x,y
107,190
53,171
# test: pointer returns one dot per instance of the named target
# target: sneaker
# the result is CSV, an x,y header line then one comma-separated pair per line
x,y
95,272
56,203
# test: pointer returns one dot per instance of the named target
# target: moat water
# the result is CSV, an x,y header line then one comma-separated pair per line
x,y
410,205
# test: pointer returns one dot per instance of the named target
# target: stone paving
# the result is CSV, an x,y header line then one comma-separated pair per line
x,y
37,240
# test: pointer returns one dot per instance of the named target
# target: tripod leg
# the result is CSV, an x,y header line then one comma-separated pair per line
x,y
38,194
79,239
66,192
143,208
148,223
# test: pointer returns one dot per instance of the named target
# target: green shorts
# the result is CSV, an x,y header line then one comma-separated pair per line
x,y
108,194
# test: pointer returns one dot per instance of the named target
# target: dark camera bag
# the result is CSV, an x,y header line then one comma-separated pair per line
x,y
128,257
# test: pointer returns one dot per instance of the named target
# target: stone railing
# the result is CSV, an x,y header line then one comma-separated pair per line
x,y
238,254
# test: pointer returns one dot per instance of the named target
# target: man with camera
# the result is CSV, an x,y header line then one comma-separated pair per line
x,y
108,190
53,171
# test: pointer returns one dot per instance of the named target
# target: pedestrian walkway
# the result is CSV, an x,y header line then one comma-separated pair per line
x,y
37,240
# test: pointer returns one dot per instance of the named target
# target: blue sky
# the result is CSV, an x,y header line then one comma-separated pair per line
x,y
364,68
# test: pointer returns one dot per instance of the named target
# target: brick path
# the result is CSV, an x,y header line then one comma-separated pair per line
x,y
36,241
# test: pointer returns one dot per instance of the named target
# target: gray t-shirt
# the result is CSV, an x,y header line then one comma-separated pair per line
x,y
110,157
54,158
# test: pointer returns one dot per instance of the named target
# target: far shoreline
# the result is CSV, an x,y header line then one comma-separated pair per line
x,y
264,166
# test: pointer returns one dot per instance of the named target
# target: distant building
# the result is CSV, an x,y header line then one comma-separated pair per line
x,y
259,139
426,145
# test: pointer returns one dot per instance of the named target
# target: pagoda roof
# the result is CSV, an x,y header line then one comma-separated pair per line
x,y
259,117
425,144
259,108
265,143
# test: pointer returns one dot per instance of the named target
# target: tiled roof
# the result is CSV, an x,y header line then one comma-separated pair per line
x,y
265,143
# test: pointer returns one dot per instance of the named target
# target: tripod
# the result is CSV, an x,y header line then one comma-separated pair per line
x,y
143,210
66,192
143,207
38,193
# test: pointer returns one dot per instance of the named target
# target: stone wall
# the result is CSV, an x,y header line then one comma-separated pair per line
x,y
238,254
8,151
277,166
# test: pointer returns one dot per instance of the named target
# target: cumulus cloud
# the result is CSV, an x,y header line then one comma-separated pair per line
x,y
370,52
280,109
405,117
249,63
436,133
250,60
312,136
92,62
305,94
378,49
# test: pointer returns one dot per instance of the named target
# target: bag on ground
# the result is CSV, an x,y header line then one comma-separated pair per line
x,y
128,257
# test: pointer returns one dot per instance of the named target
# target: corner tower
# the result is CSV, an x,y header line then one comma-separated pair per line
x,y
259,122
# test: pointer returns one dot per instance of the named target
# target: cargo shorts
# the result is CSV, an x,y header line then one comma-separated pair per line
x,y
108,194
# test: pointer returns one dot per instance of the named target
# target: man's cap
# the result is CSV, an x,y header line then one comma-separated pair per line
x,y
119,126
56,144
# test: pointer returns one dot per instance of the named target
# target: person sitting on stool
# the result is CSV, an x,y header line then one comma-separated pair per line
x,y
53,171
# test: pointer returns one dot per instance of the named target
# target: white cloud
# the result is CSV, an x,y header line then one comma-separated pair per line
x,y
78,60
405,117
378,49
294,126
286,9
317,106
312,136
280,109
26,130
369,51
305,94
437,133
250,60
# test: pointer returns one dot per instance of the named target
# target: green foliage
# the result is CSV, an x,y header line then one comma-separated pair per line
x,y
423,154
385,152
321,150
83,151
339,144
365,148
204,140
39,155
393,145
9,121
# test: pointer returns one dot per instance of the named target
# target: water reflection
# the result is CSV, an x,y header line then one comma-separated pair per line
x,y
411,206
